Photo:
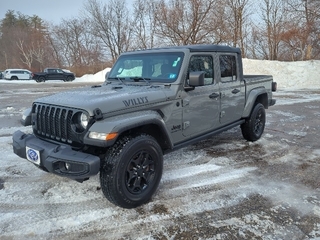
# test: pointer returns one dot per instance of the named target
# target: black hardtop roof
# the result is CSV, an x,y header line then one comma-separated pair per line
x,y
201,48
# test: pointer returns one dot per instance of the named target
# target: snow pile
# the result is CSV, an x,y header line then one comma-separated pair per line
x,y
294,75
97,77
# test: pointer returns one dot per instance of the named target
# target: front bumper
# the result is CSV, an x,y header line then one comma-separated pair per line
x,y
61,160
272,102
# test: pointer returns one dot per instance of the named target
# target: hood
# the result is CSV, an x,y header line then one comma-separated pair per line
x,y
109,98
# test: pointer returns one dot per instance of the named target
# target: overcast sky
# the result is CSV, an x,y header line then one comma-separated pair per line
x,y
49,10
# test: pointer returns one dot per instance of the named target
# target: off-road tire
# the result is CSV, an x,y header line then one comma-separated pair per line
x,y
131,171
253,127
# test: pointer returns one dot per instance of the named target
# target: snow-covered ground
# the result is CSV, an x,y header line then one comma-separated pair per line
x,y
224,188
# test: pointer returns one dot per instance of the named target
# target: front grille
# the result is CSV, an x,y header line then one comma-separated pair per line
x,y
53,122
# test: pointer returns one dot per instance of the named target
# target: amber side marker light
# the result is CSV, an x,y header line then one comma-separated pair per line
x,y
111,136
102,136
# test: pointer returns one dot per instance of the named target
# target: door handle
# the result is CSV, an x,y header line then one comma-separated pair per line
x,y
214,95
235,91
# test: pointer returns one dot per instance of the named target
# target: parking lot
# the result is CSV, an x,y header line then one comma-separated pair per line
x,y
221,188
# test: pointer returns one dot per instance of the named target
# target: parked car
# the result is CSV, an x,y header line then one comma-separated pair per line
x,y
53,74
1,74
17,74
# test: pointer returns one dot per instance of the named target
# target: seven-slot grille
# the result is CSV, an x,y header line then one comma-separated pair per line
x,y
53,122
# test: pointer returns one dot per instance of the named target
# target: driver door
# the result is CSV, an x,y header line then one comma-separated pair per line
x,y
201,105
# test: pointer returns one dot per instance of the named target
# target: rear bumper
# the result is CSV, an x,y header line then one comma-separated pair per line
x,y
61,160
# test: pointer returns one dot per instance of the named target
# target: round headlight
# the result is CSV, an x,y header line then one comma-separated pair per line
x,y
84,120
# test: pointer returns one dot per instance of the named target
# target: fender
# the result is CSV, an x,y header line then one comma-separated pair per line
x,y
251,99
124,122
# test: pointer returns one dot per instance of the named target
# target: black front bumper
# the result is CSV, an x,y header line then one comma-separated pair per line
x,y
272,102
58,159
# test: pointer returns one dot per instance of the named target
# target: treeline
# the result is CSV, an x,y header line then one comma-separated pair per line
x,y
286,30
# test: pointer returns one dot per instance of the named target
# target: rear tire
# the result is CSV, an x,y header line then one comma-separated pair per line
x,y
253,127
41,79
132,170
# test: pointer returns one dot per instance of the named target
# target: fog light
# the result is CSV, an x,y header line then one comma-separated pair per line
x,y
67,166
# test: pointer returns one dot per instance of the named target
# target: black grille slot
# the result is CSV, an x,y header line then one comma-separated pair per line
x,y
54,122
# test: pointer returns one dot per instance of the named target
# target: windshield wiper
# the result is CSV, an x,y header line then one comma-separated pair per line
x,y
119,79
137,79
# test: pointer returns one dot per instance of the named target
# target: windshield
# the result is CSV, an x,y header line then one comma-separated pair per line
x,y
153,67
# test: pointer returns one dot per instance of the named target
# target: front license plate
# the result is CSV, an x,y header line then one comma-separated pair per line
x,y
33,155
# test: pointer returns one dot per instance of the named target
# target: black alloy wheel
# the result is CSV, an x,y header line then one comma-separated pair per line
x,y
253,127
140,172
131,171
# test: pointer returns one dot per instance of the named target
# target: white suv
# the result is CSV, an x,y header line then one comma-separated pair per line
x,y
17,74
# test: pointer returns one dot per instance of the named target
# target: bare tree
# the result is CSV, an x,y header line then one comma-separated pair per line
x,y
267,36
144,29
302,37
238,10
111,24
26,53
75,47
38,51
180,22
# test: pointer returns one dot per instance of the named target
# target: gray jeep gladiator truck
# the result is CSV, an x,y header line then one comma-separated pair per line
x,y
152,102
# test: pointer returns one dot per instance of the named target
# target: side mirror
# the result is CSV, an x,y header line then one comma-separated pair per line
x,y
106,76
196,79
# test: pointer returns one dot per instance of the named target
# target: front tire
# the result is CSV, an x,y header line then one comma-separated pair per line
x,y
253,127
69,79
132,170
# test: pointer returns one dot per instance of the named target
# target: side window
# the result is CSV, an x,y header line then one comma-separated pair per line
x,y
204,64
228,68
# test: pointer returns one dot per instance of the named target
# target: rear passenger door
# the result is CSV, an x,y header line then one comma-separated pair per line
x,y
53,74
26,75
231,88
